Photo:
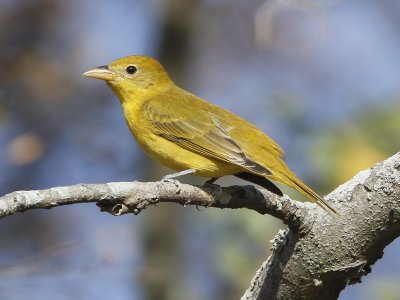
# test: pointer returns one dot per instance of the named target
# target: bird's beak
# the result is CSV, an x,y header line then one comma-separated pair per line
x,y
102,73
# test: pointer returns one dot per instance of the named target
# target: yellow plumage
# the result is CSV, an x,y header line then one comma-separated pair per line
x,y
182,131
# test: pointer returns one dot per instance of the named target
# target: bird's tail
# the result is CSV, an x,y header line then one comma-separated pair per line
x,y
314,197
301,187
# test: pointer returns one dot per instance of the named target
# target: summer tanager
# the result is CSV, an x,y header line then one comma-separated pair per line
x,y
190,135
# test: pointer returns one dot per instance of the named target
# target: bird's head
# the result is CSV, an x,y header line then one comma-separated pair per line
x,y
132,75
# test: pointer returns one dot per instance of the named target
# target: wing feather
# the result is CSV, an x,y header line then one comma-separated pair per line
x,y
202,133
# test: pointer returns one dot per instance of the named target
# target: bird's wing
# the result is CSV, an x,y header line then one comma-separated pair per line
x,y
200,132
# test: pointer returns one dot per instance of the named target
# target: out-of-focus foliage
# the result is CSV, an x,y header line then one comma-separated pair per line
x,y
385,288
357,144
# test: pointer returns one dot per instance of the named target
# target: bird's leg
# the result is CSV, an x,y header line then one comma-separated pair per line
x,y
216,189
170,178
211,180
178,174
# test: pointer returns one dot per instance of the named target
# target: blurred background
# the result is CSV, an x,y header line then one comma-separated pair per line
x,y
320,77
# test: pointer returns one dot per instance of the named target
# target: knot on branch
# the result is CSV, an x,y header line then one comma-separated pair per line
x,y
132,204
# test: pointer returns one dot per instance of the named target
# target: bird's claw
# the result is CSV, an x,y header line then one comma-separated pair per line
x,y
175,182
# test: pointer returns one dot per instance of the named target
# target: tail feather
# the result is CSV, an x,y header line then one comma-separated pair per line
x,y
313,196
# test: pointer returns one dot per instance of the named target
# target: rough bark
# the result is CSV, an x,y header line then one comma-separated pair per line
x,y
119,198
314,259
326,253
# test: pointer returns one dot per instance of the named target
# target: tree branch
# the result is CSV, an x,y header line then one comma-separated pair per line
x,y
328,253
119,198
316,258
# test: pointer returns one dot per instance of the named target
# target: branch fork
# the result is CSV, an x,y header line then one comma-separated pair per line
x,y
315,259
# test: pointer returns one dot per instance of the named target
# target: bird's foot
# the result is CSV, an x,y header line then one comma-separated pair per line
x,y
211,181
170,178
214,189
174,182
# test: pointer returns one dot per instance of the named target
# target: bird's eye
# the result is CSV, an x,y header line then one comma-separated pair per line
x,y
131,70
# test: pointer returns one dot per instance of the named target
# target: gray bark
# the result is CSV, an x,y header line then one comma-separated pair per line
x,y
325,254
316,258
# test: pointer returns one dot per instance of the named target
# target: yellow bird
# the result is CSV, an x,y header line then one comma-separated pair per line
x,y
192,136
